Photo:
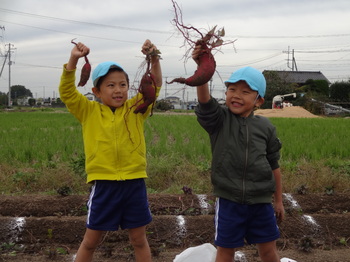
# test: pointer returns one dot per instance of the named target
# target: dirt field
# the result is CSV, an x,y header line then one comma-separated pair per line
x,y
294,111
50,228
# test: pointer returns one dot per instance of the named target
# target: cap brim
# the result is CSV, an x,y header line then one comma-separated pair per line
x,y
102,69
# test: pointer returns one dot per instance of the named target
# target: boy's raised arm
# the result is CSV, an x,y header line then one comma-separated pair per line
x,y
79,50
203,93
156,71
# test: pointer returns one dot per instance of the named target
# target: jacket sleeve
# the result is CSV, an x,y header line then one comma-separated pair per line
x,y
273,150
76,102
210,115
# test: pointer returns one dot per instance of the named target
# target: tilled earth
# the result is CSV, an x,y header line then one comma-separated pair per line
x,y
50,228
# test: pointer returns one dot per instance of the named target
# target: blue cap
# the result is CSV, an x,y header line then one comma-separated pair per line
x,y
254,78
102,69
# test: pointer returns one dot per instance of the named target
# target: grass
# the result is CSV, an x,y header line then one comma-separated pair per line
x,y
313,138
41,152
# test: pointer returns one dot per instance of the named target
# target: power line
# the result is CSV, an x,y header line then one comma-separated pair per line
x,y
43,66
324,60
159,31
293,36
321,52
254,61
69,33
83,22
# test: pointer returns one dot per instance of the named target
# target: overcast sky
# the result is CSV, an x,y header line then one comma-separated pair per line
x,y
39,33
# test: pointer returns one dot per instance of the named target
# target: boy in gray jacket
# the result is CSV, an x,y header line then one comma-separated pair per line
x,y
245,170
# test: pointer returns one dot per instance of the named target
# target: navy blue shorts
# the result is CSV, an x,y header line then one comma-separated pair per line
x,y
114,204
236,222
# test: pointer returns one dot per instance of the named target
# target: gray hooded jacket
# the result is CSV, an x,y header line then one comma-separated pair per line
x,y
244,153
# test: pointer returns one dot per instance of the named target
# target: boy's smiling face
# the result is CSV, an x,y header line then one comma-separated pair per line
x,y
113,90
241,99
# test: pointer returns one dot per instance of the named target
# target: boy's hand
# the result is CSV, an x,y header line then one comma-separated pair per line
x,y
153,55
149,49
279,212
196,52
79,50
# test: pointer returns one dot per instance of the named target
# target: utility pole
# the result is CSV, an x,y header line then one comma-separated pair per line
x,y
3,29
294,63
166,87
183,98
10,63
210,86
2,68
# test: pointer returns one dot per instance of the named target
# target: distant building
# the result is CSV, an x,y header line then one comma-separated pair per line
x,y
91,96
175,102
191,105
46,101
23,101
298,77
221,101
173,99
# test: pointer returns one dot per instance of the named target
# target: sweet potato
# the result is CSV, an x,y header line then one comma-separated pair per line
x,y
148,90
209,41
85,71
205,71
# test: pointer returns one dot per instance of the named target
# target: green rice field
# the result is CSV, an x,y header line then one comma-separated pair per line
x,y
42,151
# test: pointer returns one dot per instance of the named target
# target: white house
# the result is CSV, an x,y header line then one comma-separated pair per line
x,y
91,96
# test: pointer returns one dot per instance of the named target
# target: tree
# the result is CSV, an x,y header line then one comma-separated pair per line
x,y
19,91
31,102
163,105
340,91
276,85
3,99
319,87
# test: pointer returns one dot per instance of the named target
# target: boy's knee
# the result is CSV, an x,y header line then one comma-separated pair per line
x,y
268,252
89,245
137,237
138,241
269,255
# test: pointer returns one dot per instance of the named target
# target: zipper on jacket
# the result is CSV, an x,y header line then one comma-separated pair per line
x,y
246,159
116,153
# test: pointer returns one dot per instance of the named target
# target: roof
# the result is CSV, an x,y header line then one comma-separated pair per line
x,y
172,97
299,77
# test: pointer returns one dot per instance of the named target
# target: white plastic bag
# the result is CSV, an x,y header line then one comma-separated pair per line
x,y
203,253
207,253
286,259
240,257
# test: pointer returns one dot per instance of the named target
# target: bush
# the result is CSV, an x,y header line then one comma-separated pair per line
x,y
163,105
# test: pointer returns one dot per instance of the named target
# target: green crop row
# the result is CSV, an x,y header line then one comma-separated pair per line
x,y
43,151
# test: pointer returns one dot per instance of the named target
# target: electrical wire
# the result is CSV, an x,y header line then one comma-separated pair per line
x,y
157,31
82,22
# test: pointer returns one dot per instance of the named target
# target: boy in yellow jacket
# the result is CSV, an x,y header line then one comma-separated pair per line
x,y
115,151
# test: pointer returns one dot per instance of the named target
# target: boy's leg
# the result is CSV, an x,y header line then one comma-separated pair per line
x,y
92,239
139,242
230,223
268,252
225,254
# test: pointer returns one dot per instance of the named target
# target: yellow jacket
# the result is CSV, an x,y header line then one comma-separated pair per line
x,y
114,142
